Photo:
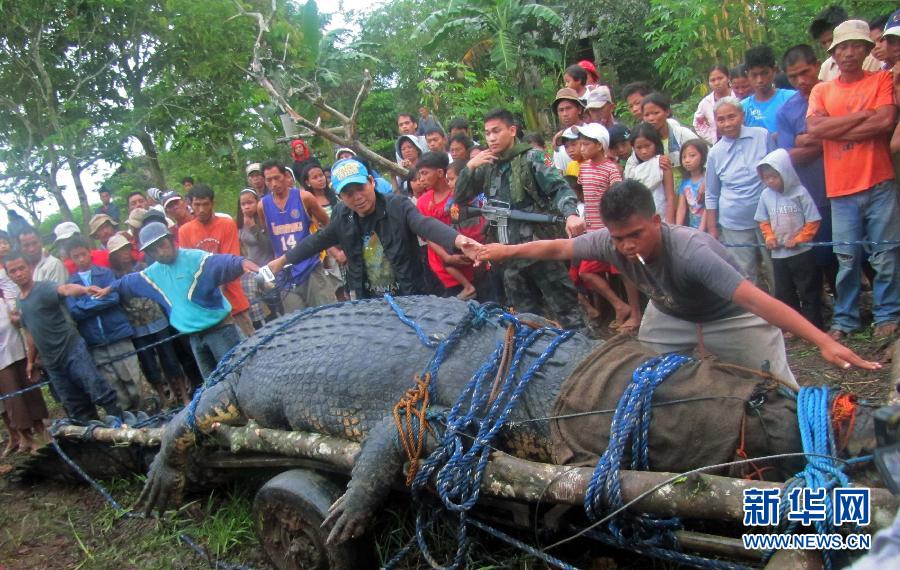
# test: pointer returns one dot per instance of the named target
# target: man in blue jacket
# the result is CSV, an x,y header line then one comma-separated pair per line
x,y
105,327
186,284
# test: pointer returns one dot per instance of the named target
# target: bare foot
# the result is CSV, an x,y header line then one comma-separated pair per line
x,y
623,314
467,293
12,446
630,326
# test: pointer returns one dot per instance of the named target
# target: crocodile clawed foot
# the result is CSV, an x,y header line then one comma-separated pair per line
x,y
163,489
347,523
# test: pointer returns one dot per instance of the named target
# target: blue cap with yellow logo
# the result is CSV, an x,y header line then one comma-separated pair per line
x,y
348,171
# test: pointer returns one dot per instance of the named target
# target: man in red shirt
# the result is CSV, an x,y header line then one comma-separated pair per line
x,y
455,271
216,234
854,115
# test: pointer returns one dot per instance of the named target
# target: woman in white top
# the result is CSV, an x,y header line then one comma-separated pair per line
x,y
23,415
704,118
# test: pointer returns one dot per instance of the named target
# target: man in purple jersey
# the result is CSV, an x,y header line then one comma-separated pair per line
x,y
288,215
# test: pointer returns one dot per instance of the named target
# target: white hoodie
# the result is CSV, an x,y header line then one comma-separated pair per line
x,y
786,211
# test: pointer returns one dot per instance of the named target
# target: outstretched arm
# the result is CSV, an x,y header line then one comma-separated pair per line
x,y
550,249
75,290
780,315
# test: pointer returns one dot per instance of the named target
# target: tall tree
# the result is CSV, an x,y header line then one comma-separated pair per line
x,y
509,32
56,52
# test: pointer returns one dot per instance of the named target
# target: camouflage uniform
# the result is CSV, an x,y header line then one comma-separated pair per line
x,y
524,179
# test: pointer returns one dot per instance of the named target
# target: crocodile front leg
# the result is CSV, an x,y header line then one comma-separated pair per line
x,y
165,480
376,469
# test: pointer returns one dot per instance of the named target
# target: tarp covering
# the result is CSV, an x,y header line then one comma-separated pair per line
x,y
704,430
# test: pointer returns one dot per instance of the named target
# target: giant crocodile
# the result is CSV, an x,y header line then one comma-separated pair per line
x,y
340,370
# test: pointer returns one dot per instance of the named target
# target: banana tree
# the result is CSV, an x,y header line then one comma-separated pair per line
x,y
505,32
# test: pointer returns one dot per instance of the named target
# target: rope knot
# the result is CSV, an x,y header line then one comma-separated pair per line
x,y
411,418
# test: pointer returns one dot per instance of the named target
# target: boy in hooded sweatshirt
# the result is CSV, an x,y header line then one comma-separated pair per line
x,y
787,217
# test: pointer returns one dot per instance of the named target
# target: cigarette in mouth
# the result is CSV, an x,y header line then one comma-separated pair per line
x,y
639,258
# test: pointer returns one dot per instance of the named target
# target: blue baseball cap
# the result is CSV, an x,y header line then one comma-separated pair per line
x,y
892,27
348,171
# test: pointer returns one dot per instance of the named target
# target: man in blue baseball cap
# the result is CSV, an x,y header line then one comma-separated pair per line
x,y
377,232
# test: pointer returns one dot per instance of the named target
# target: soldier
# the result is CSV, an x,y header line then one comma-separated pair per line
x,y
516,174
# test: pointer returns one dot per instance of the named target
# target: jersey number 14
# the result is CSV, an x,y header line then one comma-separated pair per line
x,y
288,242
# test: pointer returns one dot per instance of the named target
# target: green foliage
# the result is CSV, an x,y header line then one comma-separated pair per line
x,y
690,36
513,34
454,89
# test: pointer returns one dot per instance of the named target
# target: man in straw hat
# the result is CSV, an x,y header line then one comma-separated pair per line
x,y
853,115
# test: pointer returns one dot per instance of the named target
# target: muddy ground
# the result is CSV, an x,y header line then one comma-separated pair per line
x,y
52,525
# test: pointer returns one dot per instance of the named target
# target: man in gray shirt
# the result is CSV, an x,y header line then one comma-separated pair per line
x,y
698,296
51,333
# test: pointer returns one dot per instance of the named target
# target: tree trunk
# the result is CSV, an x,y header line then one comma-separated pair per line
x,y
79,188
529,81
156,173
235,157
53,187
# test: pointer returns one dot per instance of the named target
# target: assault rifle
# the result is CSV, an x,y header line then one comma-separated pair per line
x,y
499,213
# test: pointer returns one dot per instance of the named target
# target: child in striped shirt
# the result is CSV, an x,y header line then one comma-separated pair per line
x,y
597,173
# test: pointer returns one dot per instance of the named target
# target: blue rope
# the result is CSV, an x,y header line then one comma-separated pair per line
x,y
423,338
630,421
457,471
646,535
823,243
814,417
665,553
24,390
218,564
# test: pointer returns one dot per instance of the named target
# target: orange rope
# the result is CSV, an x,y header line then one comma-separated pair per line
x,y
508,344
409,411
843,418
756,472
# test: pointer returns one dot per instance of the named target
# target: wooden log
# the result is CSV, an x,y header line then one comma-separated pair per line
x,y
698,496
893,395
711,544
796,560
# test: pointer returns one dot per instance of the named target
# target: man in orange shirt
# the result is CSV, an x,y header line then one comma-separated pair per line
x,y
854,115
216,234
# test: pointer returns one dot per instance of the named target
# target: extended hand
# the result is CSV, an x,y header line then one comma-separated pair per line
x,y
249,266
494,252
468,246
100,293
771,243
277,264
574,226
842,357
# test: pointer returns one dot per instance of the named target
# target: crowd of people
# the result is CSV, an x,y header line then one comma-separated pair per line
x,y
712,223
